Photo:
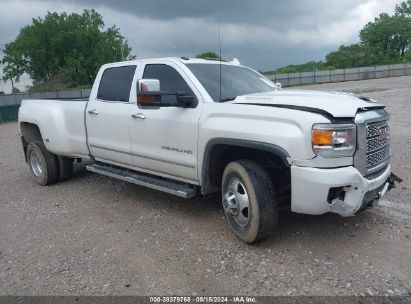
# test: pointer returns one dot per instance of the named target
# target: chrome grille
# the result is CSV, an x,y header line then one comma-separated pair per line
x,y
378,143
374,144
373,140
374,129
375,158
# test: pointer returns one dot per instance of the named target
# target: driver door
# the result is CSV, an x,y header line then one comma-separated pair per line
x,y
164,139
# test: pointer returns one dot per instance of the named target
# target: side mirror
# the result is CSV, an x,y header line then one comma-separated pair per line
x,y
150,95
148,85
278,84
147,92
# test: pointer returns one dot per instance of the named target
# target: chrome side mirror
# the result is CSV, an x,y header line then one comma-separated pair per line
x,y
150,95
148,85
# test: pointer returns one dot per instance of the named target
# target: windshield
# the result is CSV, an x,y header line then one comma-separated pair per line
x,y
235,80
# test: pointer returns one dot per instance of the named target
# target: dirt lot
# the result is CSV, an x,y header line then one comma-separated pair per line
x,y
94,235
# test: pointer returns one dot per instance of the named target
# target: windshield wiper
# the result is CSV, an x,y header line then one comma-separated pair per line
x,y
228,99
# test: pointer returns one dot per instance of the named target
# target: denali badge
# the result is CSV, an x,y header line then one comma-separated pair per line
x,y
177,150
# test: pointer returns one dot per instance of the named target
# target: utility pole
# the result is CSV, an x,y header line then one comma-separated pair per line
x,y
122,50
12,85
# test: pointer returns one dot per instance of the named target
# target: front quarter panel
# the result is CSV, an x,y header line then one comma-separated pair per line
x,y
285,128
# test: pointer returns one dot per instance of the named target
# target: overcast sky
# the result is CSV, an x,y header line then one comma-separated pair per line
x,y
262,34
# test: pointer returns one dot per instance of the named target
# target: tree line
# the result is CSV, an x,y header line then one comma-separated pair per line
x,y
386,40
63,51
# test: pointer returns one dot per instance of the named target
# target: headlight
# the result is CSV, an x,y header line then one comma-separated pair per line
x,y
333,140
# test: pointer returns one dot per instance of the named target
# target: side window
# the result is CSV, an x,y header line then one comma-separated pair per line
x,y
115,84
170,80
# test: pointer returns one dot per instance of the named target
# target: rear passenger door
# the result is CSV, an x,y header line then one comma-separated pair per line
x,y
108,116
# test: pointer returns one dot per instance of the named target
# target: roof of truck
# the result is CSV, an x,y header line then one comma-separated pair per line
x,y
180,59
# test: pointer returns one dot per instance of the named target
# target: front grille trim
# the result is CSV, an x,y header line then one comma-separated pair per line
x,y
372,152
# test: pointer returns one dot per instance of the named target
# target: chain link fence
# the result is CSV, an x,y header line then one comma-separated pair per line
x,y
10,103
340,75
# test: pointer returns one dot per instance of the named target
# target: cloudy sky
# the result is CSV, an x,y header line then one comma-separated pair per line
x,y
262,34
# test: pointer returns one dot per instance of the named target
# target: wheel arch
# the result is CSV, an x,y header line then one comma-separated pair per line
x,y
220,151
29,132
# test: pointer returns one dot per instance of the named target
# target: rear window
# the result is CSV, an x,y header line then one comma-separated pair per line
x,y
115,84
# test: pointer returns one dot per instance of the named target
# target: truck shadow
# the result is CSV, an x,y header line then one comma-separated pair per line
x,y
207,213
299,228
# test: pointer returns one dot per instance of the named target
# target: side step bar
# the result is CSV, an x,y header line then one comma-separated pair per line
x,y
168,186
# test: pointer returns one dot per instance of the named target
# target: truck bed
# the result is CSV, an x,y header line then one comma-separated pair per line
x,y
62,119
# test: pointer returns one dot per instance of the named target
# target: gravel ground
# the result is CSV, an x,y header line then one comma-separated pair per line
x,y
94,235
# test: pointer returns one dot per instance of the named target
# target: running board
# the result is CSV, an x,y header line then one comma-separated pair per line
x,y
168,186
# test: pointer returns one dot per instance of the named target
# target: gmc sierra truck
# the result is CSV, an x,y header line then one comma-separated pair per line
x,y
193,127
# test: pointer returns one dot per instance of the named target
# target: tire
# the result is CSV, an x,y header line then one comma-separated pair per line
x,y
43,165
65,168
243,181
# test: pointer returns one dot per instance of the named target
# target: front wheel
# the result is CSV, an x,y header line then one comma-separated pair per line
x,y
249,200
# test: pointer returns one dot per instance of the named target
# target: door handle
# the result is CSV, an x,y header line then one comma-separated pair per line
x,y
139,116
93,112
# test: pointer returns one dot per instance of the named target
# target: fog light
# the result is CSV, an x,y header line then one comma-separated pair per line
x,y
336,193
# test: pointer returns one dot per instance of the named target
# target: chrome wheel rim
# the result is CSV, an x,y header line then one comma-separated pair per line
x,y
36,164
236,203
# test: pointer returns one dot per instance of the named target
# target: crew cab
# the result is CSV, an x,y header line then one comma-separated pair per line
x,y
193,127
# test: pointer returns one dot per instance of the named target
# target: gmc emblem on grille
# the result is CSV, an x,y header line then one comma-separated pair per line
x,y
383,133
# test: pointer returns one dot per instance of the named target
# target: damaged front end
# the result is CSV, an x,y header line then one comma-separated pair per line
x,y
371,197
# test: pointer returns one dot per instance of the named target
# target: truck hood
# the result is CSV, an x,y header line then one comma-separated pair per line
x,y
335,104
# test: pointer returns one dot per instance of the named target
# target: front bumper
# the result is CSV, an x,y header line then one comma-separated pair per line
x,y
310,189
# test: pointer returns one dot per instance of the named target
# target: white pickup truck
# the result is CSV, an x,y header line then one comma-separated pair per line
x,y
195,126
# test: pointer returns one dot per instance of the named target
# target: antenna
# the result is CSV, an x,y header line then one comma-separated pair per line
x,y
219,46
